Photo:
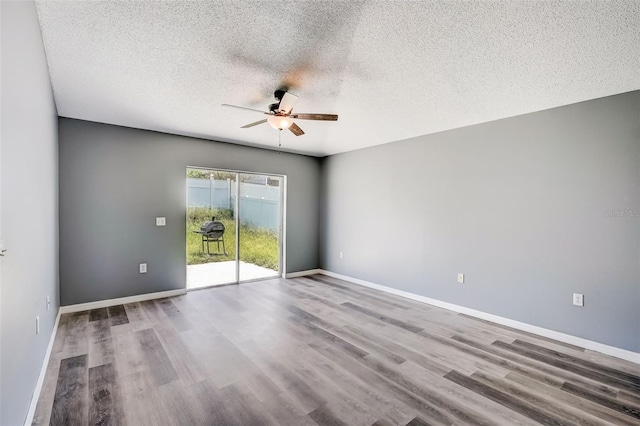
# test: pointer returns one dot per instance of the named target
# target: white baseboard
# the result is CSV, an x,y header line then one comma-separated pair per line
x,y
43,372
303,273
562,337
120,301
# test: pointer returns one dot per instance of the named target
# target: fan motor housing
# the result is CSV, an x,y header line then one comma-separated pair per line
x,y
279,94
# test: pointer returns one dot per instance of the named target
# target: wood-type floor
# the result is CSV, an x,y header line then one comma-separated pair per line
x,y
317,350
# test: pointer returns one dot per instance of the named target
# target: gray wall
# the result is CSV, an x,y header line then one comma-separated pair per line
x,y
29,212
520,205
105,235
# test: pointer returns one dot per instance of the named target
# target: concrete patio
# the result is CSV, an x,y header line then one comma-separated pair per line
x,y
218,273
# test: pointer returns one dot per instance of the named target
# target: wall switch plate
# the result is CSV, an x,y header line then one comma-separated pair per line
x,y
161,221
143,268
461,278
578,299
340,255
37,325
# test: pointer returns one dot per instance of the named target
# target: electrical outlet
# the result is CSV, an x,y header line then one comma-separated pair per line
x,y
161,221
143,268
340,255
461,278
578,299
37,325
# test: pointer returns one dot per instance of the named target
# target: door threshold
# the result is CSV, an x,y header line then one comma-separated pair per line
x,y
275,277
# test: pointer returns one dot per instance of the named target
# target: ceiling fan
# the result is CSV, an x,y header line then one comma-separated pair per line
x,y
280,114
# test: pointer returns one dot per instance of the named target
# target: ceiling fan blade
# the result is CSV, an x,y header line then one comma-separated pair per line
x,y
287,102
296,130
323,117
248,109
246,126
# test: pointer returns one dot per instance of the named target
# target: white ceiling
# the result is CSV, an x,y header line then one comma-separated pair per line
x,y
392,70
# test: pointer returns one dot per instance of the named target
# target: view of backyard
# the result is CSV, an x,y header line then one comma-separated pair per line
x,y
259,246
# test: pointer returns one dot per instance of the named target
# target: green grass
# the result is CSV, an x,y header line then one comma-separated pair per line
x,y
257,246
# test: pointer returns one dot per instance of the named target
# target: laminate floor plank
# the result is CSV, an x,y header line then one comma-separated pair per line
x,y
157,360
192,313
385,423
250,407
387,387
516,332
324,417
319,350
620,364
105,399
153,312
531,367
367,343
140,405
573,368
629,397
367,300
117,315
625,408
417,421
428,352
350,407
556,394
76,337
427,393
71,401
523,407
397,301
485,407
98,314
181,405
285,411
336,315
137,317
135,378
231,303
627,377
100,343
177,320
208,408
187,366
287,379
564,411
381,407
221,361
42,415
354,292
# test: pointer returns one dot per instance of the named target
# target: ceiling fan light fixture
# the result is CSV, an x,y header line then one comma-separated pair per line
x,y
279,122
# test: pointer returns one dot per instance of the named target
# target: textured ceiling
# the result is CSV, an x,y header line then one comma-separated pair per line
x,y
391,70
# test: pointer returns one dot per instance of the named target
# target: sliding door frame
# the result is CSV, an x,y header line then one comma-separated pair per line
x,y
282,228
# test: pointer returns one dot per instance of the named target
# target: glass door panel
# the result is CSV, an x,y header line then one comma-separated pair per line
x,y
260,225
211,228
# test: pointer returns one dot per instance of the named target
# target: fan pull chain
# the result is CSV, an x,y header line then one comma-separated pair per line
x,y
279,138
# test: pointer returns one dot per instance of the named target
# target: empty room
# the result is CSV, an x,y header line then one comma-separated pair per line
x,y
319,212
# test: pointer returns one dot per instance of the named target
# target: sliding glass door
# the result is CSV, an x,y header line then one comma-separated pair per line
x,y
260,226
234,227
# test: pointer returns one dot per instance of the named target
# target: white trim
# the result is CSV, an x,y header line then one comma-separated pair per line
x,y
120,301
303,273
283,227
545,332
43,371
